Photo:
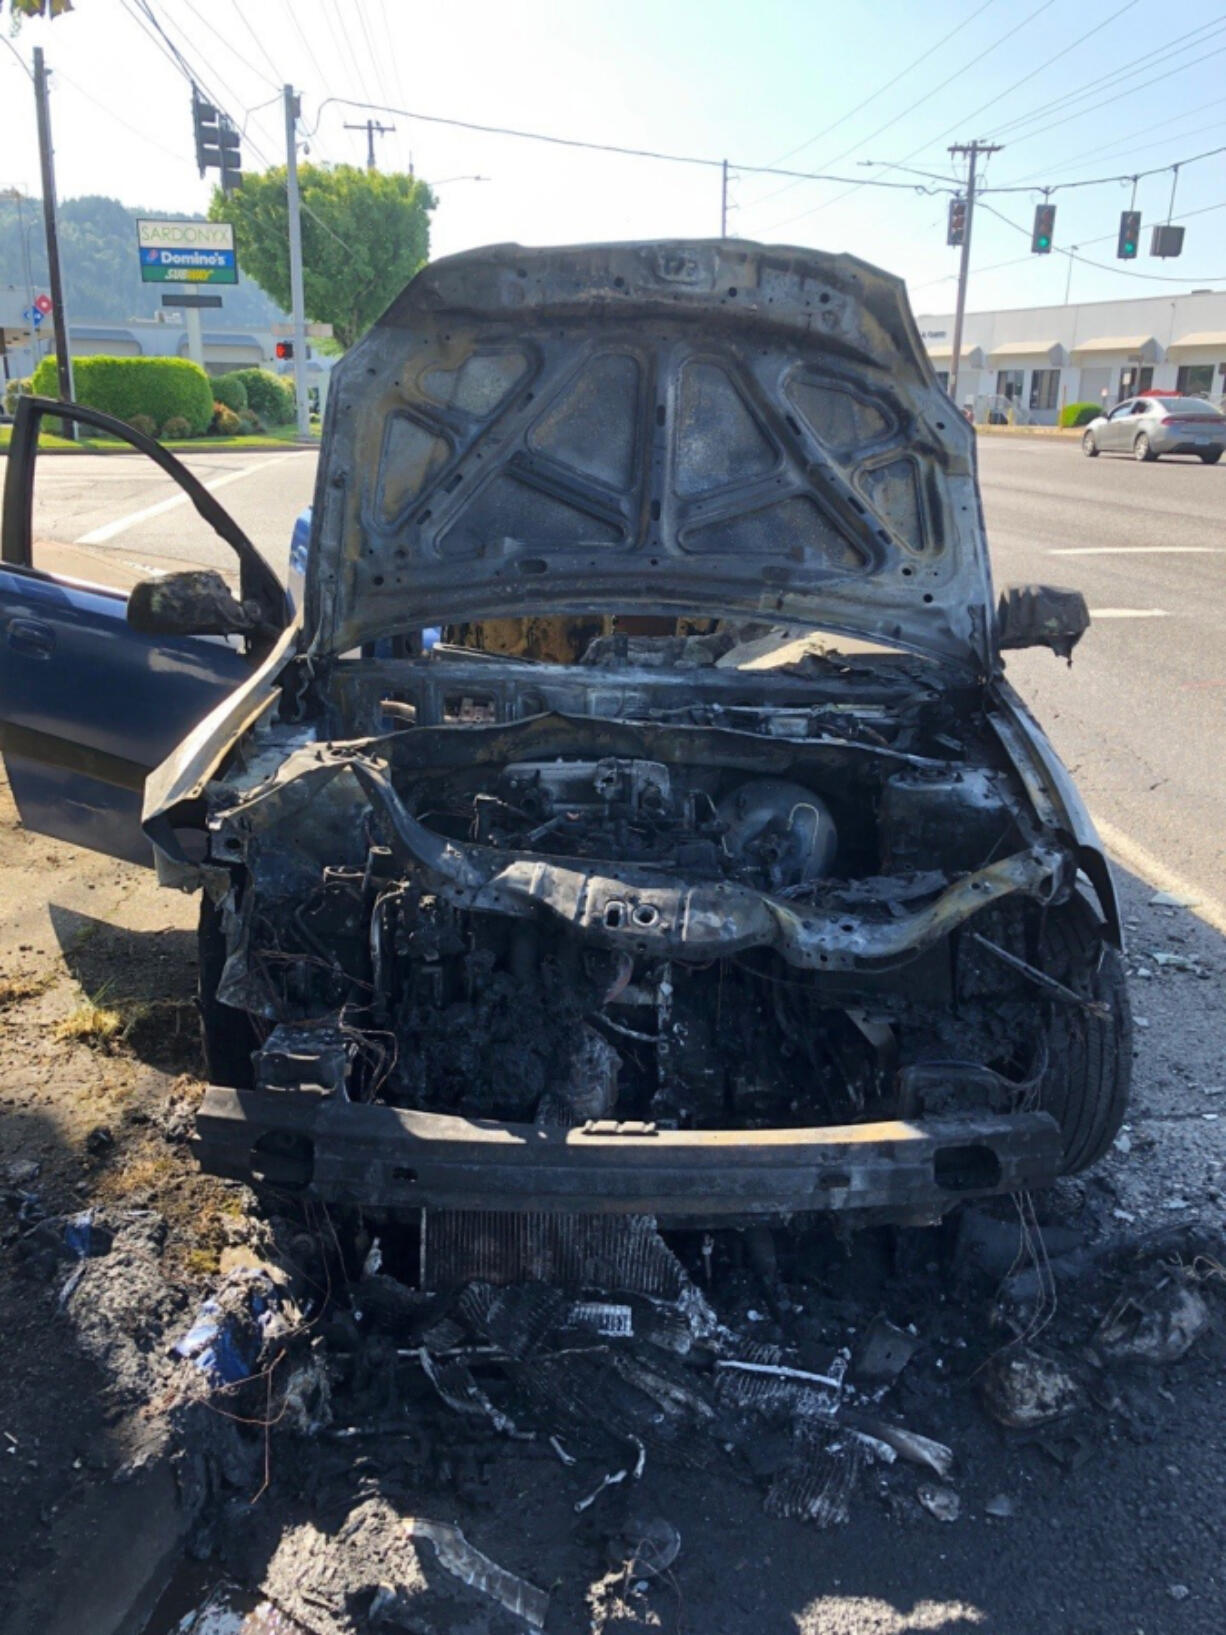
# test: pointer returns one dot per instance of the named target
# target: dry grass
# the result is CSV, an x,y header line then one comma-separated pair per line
x,y
13,989
91,1024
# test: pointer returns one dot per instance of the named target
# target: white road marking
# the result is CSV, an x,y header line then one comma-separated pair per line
x,y
1138,550
1128,613
99,536
1139,861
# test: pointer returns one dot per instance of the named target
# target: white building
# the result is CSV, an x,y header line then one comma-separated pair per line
x,y
1030,361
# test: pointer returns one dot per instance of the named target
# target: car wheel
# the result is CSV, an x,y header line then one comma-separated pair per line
x,y
1212,458
227,1035
1141,449
1089,447
1089,1072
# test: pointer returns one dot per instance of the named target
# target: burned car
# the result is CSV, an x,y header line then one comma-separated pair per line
x,y
707,867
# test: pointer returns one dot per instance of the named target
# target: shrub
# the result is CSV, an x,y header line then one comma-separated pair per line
x,y
225,421
15,389
248,423
1079,414
176,426
229,389
125,387
143,423
268,395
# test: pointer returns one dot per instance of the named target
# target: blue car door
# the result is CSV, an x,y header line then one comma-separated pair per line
x,y
88,704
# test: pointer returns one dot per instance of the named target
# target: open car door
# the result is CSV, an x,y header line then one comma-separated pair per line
x,y
94,693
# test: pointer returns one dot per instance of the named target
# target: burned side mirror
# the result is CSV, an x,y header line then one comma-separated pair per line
x,y
1042,616
195,603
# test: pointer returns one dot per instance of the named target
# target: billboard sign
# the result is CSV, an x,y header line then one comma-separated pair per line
x,y
186,252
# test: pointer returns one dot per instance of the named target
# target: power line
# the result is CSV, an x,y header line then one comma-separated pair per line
x,y
1113,148
278,78
291,9
598,147
860,106
1026,78
1182,43
340,36
1101,181
1113,97
911,107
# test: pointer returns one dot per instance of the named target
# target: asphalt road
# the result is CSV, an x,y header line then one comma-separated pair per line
x,y
1138,717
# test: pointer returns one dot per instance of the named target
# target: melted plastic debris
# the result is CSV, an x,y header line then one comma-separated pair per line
x,y
458,1556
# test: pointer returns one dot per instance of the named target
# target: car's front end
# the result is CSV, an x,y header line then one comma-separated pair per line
x,y
707,868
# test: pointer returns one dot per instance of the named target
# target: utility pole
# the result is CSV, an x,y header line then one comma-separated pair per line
x,y
63,358
297,297
373,128
972,150
723,200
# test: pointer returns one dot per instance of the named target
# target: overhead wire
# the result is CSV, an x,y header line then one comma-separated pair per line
x,y
909,109
1114,77
865,101
292,11
241,11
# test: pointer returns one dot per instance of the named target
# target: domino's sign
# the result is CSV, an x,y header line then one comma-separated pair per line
x,y
186,252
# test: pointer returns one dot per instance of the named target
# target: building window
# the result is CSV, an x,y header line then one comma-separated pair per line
x,y
1009,384
1135,379
1044,388
1194,379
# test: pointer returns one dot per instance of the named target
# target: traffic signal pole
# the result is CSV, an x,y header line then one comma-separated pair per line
x,y
63,358
297,296
972,150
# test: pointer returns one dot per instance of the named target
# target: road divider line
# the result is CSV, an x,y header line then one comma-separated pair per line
x,y
1136,550
109,530
1139,861
1128,613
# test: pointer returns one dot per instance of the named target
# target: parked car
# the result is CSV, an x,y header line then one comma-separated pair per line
x,y
1148,427
708,868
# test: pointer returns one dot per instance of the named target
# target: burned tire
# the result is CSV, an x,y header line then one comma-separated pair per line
x,y
227,1034
1090,1071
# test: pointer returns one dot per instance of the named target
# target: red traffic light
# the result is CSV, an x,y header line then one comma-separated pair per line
x,y
285,349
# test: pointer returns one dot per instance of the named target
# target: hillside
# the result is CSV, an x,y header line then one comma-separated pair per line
x,y
101,271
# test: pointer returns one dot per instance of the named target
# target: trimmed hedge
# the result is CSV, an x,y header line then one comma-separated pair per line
x,y
268,395
1079,414
229,389
126,387
15,389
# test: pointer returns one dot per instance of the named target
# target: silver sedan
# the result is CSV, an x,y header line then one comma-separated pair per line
x,y
1147,427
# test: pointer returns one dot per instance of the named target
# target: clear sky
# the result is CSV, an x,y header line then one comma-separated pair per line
x,y
1072,91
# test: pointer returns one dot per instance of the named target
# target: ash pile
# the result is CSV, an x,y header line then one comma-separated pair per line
x,y
438,1422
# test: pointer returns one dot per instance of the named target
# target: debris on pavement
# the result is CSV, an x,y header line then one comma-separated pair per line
x,y
459,1557
941,1502
1001,1507
884,1352
1023,1388
1158,1327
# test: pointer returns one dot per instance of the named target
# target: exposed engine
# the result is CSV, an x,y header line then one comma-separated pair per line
x,y
528,941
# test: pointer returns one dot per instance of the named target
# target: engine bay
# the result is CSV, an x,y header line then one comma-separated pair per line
x,y
739,920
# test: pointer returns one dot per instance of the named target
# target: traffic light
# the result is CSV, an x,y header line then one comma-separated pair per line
x,y
1130,235
231,157
1044,228
956,231
205,125
217,143
284,350
1166,241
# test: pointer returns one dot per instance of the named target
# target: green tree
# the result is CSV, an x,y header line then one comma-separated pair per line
x,y
364,235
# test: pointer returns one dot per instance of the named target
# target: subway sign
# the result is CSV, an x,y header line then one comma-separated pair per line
x,y
186,252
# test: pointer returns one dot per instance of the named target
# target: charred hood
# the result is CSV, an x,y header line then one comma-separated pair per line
x,y
688,427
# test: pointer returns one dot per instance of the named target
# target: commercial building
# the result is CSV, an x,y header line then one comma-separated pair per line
x,y
21,346
1027,362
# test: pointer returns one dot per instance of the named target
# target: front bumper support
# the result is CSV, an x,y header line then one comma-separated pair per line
x,y
388,1158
